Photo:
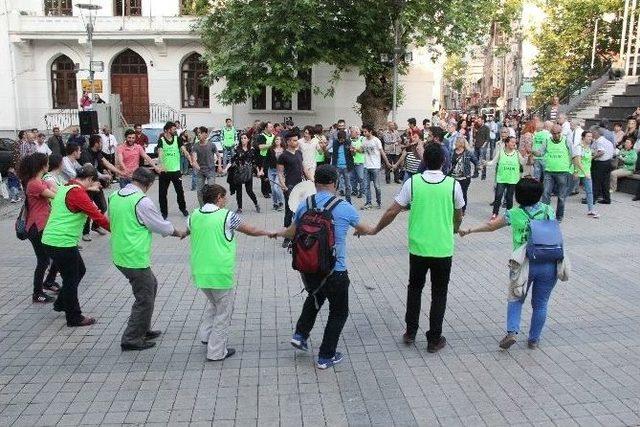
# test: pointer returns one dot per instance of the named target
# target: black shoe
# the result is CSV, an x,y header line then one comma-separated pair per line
x,y
86,321
185,212
42,298
635,199
584,201
230,352
137,347
151,335
57,306
604,202
258,208
408,338
164,216
434,347
285,243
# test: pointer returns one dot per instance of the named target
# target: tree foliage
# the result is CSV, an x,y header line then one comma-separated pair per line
x,y
454,71
256,43
565,42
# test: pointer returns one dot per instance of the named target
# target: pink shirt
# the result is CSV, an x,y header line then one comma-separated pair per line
x,y
39,205
130,156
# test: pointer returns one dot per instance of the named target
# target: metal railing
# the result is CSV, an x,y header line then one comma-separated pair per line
x,y
61,118
165,113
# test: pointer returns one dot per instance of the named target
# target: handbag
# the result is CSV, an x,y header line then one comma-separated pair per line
x,y
21,223
242,174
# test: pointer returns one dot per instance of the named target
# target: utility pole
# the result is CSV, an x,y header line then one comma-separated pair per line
x,y
89,26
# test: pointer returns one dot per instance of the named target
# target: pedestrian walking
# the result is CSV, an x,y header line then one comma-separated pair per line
x,y
203,160
169,149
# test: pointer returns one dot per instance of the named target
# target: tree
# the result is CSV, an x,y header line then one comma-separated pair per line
x,y
565,41
257,43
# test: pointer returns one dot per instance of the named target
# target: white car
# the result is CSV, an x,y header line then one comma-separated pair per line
x,y
153,132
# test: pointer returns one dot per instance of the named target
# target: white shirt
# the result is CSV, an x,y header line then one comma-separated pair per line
x,y
403,198
566,130
44,149
308,150
512,132
493,129
603,144
109,143
372,148
577,136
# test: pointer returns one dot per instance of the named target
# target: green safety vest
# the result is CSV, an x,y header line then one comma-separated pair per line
x,y
508,168
557,157
64,228
171,155
358,158
56,178
587,156
269,138
130,239
228,137
520,222
539,139
431,217
213,256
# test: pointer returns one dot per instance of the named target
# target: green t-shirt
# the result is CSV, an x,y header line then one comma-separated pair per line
x,y
518,219
358,158
585,159
629,158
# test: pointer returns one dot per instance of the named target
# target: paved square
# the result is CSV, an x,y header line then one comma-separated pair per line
x,y
586,372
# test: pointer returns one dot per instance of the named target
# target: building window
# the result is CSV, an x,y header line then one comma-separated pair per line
x,y
279,101
259,102
63,83
58,8
195,92
304,96
127,7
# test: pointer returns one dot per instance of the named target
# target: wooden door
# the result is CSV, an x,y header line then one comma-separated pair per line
x,y
129,80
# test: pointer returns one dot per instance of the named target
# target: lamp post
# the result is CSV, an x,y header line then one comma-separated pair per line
x,y
608,18
397,52
89,22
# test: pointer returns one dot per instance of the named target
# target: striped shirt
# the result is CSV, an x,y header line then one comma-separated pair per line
x,y
411,162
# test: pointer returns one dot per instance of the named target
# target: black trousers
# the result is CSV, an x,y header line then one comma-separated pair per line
x,y
72,271
100,201
165,179
265,185
601,177
44,262
440,271
464,185
336,290
501,189
249,188
288,213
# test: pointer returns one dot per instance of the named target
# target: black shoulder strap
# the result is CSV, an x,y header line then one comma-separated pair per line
x,y
332,203
311,202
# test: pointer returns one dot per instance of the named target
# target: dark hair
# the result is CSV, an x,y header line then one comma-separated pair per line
x,y
412,121
528,191
584,133
93,139
168,126
203,129
71,148
21,134
342,135
290,134
41,135
227,119
433,156
55,160
87,171
143,176
341,121
326,174
367,127
211,192
129,132
318,129
310,129
425,121
30,166
604,123
629,138
54,128
136,125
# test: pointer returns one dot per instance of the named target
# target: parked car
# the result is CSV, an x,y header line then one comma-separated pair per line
x,y
153,132
7,149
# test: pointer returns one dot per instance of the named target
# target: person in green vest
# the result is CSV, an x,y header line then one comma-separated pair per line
x,y
627,158
69,210
435,203
357,175
213,261
169,149
558,159
261,143
229,141
539,139
133,218
583,156
542,275
509,162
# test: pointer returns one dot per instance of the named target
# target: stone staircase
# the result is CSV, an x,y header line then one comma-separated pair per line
x,y
615,100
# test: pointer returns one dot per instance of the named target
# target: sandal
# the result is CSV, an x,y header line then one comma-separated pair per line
x,y
53,287
42,298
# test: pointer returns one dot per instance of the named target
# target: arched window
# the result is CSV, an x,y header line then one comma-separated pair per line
x,y
195,92
63,83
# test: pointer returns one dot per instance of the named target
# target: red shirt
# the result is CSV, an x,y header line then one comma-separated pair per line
x,y
141,139
78,201
39,206
130,156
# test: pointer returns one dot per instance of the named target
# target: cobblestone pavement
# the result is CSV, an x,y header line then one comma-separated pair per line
x,y
586,372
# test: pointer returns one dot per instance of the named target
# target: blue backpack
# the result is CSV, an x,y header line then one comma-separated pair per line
x,y
545,243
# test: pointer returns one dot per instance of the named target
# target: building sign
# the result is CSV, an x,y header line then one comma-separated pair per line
x,y
97,85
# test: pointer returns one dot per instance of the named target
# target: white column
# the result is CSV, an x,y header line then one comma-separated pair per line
x,y
632,12
637,43
624,27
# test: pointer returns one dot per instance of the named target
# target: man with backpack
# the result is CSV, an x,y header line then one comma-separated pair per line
x,y
435,203
319,234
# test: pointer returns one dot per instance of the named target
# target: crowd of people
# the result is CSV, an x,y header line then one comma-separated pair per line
x,y
64,184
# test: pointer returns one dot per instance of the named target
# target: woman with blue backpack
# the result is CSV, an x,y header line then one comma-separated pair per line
x,y
525,220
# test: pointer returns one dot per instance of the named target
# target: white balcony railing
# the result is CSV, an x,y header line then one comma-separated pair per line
x,y
106,27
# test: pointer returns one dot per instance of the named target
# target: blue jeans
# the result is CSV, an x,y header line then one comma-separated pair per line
x,y
345,178
227,153
372,175
481,154
14,192
357,179
542,279
588,189
559,181
407,176
184,165
276,191
538,169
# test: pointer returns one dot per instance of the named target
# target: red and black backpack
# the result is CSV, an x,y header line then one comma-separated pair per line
x,y
313,246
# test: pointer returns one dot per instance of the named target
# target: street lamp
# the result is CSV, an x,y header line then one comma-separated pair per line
x,y
89,20
397,52
608,18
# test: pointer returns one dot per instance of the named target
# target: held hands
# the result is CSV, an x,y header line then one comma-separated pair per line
x,y
366,230
463,233
180,233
